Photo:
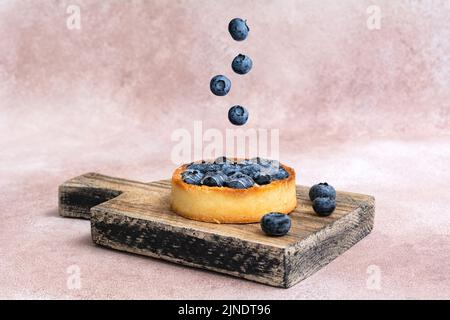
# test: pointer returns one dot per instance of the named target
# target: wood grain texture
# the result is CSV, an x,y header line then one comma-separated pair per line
x,y
135,217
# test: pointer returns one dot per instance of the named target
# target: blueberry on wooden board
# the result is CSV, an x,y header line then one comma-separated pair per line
x,y
324,206
323,190
276,224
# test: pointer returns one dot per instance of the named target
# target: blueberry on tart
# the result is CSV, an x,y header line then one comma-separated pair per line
x,y
233,190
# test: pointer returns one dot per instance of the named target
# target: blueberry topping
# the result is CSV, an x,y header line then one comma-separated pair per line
x,y
324,206
230,169
268,170
215,167
322,189
238,115
257,160
276,224
202,167
220,85
272,164
242,64
214,179
222,161
251,170
238,175
246,162
281,174
262,179
192,176
238,29
240,181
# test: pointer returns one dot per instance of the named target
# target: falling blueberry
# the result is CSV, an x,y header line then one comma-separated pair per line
x,y
238,115
242,64
220,85
238,29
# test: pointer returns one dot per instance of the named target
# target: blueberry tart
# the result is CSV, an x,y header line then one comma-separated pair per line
x,y
233,190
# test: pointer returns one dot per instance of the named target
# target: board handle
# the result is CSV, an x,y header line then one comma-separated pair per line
x,y
78,195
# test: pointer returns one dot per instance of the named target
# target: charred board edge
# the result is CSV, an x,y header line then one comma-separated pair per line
x,y
76,202
78,195
313,253
228,255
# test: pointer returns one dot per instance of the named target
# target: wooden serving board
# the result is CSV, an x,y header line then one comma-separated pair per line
x,y
135,217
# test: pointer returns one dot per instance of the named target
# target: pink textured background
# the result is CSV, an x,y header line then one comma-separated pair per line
x,y
368,111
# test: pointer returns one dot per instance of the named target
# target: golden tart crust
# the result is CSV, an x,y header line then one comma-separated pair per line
x,y
227,205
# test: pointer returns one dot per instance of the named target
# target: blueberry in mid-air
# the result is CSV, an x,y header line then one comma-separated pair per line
x,y
242,64
238,29
324,206
276,224
220,85
238,115
322,189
